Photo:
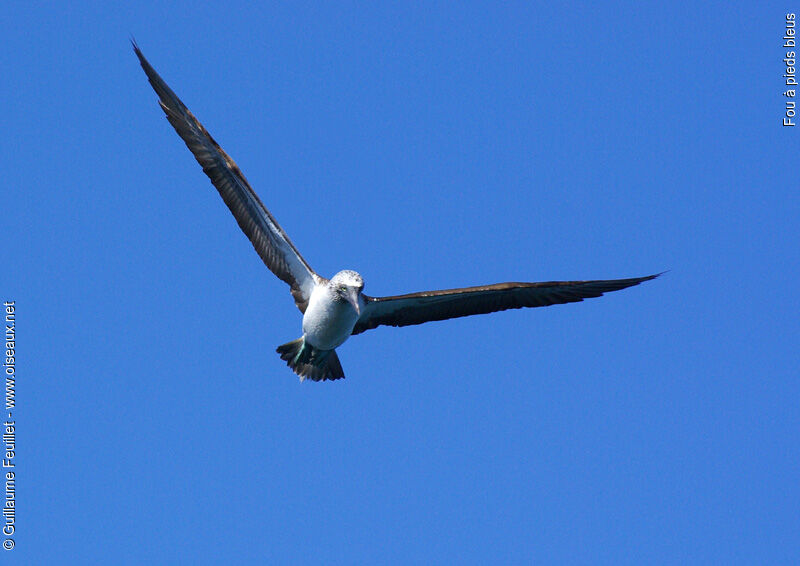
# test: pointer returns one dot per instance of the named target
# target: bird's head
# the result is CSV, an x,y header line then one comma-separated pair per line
x,y
348,285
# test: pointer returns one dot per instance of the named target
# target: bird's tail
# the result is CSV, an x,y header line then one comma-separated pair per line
x,y
309,362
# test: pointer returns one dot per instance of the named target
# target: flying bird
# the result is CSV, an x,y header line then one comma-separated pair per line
x,y
334,309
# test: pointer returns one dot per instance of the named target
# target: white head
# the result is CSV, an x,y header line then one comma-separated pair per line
x,y
348,285
348,278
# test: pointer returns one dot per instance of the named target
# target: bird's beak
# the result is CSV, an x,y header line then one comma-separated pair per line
x,y
352,298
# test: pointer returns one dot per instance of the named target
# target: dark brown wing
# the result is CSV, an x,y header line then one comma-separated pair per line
x,y
266,235
416,308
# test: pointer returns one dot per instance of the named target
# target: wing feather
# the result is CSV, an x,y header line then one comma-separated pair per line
x,y
417,308
269,240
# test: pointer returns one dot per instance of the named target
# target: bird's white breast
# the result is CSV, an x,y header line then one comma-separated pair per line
x,y
328,322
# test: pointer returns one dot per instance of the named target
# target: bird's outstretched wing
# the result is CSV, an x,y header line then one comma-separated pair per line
x,y
416,308
266,235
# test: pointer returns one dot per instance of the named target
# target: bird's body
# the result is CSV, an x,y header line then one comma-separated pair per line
x,y
330,316
334,309
328,322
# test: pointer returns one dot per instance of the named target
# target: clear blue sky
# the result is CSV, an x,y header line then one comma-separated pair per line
x,y
427,147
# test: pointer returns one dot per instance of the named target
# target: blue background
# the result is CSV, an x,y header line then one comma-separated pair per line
x,y
427,146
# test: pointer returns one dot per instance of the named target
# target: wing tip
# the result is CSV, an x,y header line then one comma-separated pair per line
x,y
654,275
633,281
135,46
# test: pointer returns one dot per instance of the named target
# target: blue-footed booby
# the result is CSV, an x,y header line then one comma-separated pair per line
x,y
334,309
